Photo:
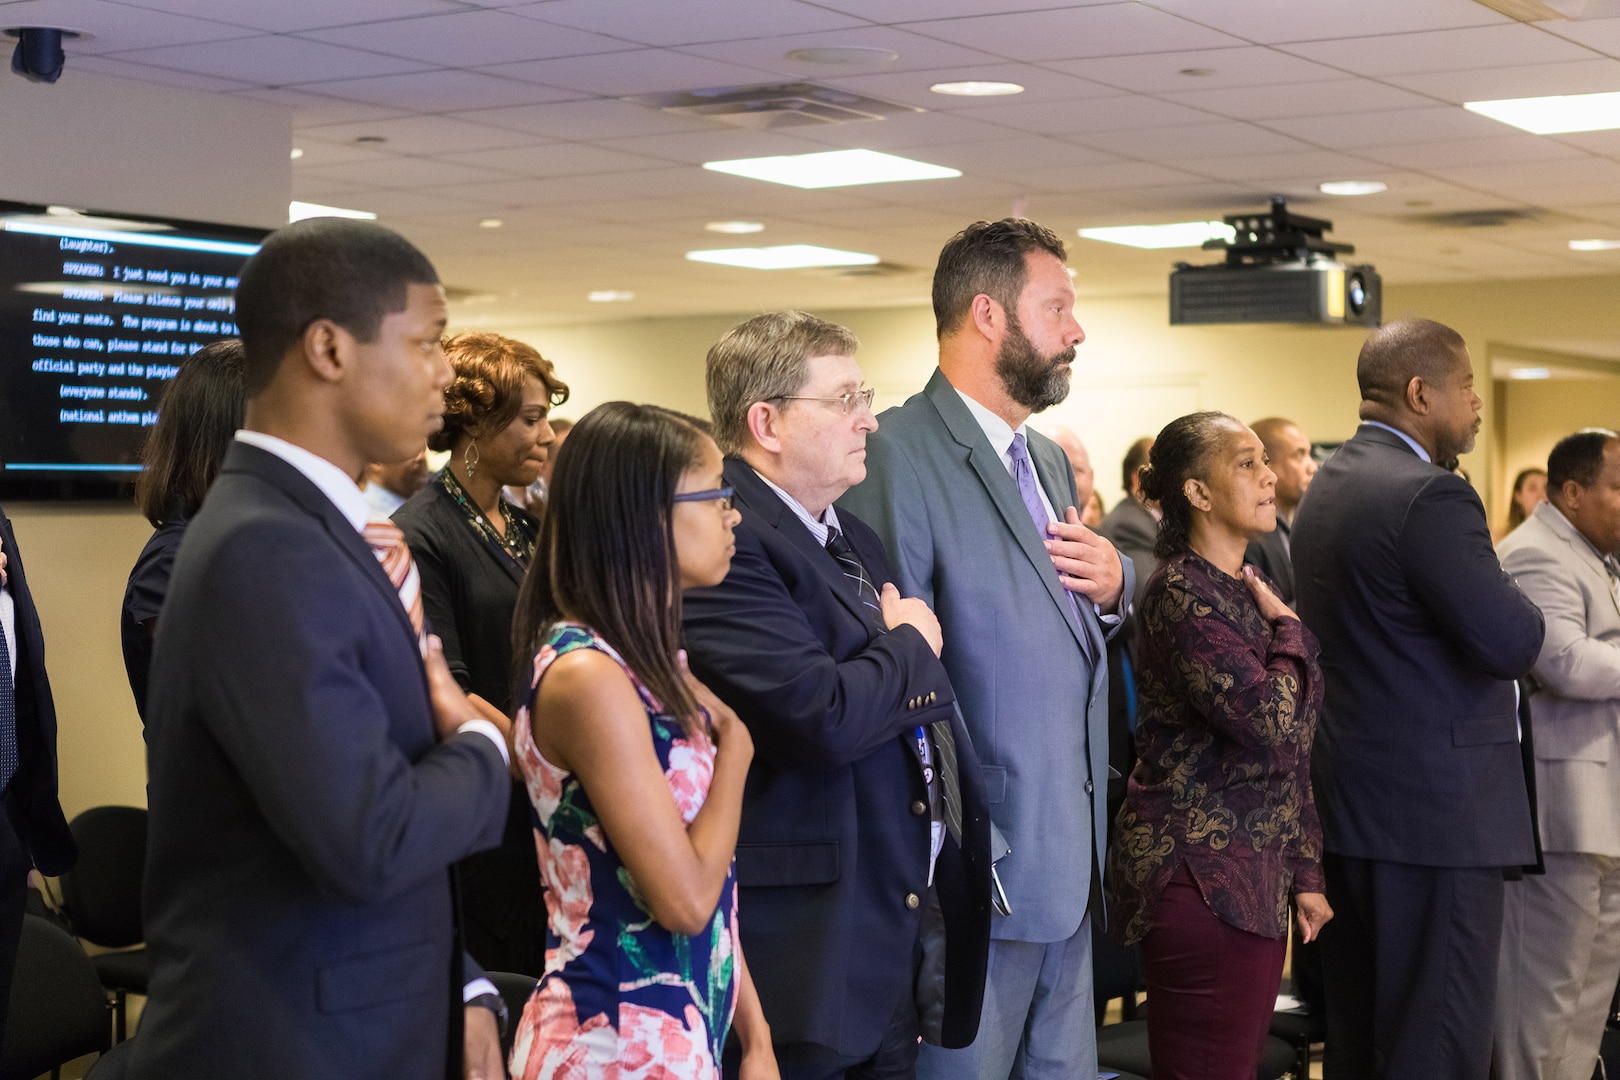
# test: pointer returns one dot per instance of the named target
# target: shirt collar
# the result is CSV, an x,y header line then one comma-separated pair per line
x,y
997,430
1407,439
822,529
334,483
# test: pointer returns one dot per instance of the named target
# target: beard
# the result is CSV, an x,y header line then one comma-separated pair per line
x,y
1034,381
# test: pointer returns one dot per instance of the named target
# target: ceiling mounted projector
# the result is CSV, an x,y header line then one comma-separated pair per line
x,y
1278,269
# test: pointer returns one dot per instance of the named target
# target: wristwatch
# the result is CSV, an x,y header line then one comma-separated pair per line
x,y
495,1004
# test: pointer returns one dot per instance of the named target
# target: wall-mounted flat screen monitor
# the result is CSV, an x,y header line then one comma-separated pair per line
x,y
97,310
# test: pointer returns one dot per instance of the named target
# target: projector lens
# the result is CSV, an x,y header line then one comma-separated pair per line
x,y
1356,293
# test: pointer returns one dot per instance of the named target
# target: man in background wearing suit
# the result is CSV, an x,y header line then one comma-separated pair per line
x,y
863,856
1416,767
1289,454
1561,935
310,780
977,513
33,832
1132,525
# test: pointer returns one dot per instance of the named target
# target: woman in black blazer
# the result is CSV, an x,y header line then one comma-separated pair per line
x,y
472,548
200,411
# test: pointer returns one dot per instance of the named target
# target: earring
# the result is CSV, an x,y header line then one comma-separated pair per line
x,y
469,458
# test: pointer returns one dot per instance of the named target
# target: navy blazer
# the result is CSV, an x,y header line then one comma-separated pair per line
x,y
303,815
36,812
835,831
1417,756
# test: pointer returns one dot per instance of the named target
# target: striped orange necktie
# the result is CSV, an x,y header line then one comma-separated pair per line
x,y
388,544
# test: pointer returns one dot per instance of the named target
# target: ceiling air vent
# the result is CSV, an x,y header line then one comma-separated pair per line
x,y
1481,219
775,106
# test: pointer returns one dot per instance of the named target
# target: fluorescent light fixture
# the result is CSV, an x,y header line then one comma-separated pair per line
x,y
1176,235
1531,373
782,257
491,223
735,227
609,296
832,168
297,152
1594,245
971,88
298,211
1352,187
1554,115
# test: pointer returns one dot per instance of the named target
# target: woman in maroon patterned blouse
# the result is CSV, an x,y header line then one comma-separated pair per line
x,y
1218,832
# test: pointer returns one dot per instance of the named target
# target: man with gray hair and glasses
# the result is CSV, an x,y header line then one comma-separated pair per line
x,y
863,854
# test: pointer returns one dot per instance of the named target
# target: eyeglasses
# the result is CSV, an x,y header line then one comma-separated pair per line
x,y
719,495
847,402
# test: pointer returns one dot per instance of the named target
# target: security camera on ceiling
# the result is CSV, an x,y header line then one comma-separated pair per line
x,y
1278,269
38,56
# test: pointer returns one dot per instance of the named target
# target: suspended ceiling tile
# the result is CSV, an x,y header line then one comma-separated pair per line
x,y
912,87
904,134
404,172
1073,33
1218,138
712,20
1165,72
469,39
441,91
123,69
1010,156
727,144
1512,45
292,16
1600,34
315,109
637,71
117,27
1352,131
271,60
423,135
1272,21
558,159
1322,164
1535,80
1446,153
588,120
1093,114
914,52
1301,99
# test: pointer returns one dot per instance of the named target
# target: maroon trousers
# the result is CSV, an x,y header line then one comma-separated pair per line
x,y
1211,989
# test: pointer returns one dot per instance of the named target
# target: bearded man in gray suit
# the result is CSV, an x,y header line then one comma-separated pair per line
x,y
1561,930
977,513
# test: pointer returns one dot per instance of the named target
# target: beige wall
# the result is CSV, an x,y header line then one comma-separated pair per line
x,y
1538,414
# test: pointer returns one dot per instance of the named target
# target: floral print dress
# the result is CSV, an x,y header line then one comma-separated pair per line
x,y
622,997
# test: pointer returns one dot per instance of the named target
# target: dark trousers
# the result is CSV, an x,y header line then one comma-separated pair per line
x,y
894,1059
14,867
1212,988
1409,964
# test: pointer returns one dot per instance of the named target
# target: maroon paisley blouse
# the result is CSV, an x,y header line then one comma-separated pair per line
x,y
1227,708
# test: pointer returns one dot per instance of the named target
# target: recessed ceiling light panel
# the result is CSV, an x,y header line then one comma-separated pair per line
x,y
1531,373
1594,245
832,168
1175,235
1554,115
1352,187
609,296
298,211
297,152
971,88
491,223
735,228
783,257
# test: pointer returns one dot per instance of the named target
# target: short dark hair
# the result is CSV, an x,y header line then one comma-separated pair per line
x,y
597,559
1182,451
987,257
1577,457
1135,457
1393,355
354,273
198,415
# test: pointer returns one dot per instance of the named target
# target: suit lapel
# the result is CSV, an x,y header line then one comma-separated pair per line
x,y
768,507
302,491
1052,470
1003,492
1582,552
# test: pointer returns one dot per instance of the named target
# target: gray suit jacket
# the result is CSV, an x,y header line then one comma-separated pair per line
x,y
1576,703
1031,678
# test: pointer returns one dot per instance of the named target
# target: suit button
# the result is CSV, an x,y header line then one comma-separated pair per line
x,y
912,704
919,808
912,901
1089,787
930,697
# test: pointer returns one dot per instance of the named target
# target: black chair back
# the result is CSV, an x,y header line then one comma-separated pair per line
x,y
58,1011
516,990
102,893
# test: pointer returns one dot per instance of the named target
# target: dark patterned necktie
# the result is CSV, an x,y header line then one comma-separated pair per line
x,y
8,716
838,547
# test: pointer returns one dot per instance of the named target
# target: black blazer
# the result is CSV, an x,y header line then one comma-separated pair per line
x,y
303,817
143,603
1271,554
36,814
1417,757
835,830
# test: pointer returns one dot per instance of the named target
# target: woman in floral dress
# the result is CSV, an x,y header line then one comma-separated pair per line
x,y
634,769
1218,837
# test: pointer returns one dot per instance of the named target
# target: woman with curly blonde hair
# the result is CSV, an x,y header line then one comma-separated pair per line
x,y
1218,836
472,549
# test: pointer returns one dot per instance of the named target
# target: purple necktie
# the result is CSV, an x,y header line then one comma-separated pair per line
x,y
1024,477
